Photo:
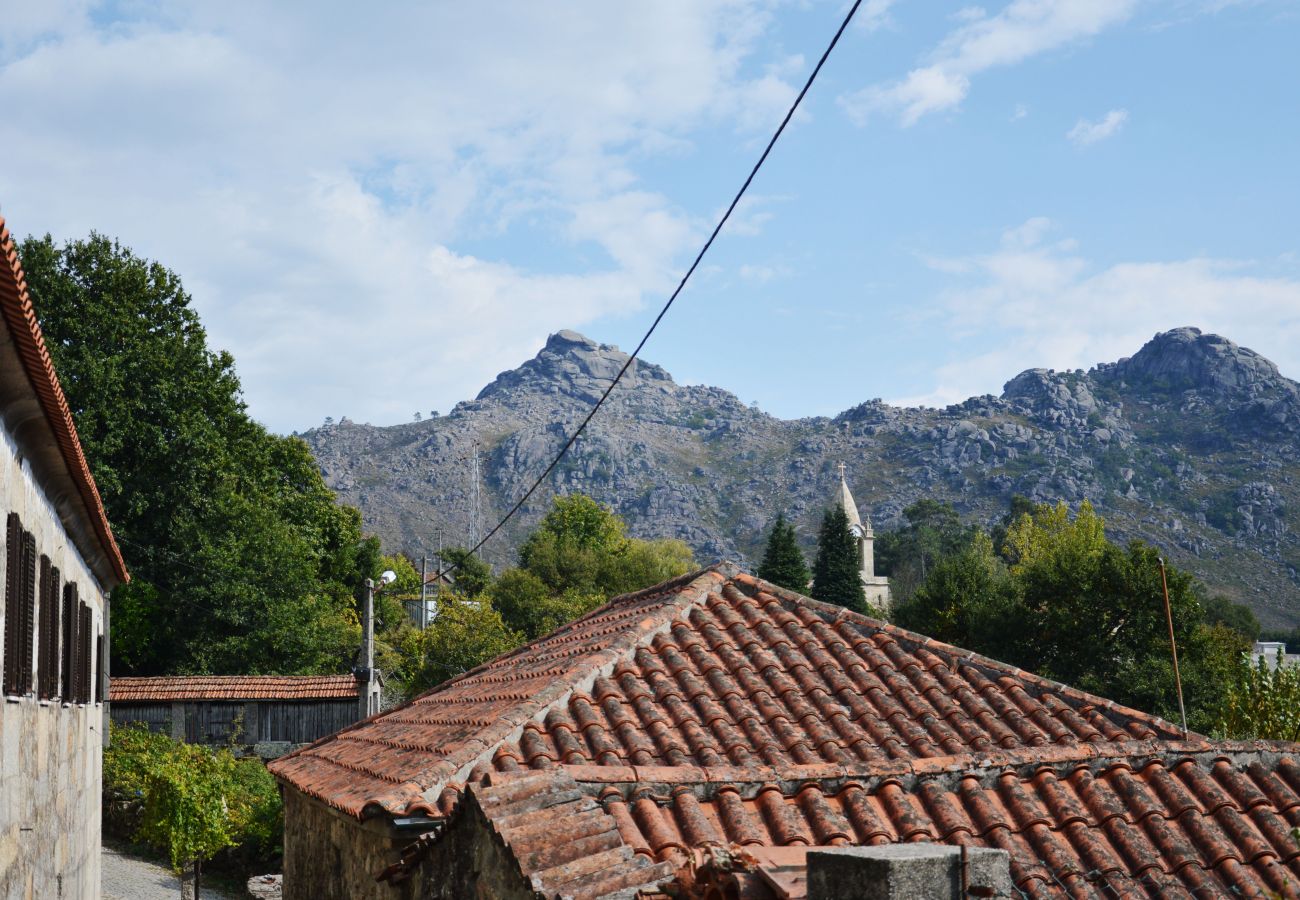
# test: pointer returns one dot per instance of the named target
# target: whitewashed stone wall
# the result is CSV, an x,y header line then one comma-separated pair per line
x,y
50,751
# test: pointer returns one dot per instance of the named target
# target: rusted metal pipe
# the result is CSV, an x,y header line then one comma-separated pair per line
x,y
1173,646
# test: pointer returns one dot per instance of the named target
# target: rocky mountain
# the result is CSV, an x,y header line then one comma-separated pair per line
x,y
1192,444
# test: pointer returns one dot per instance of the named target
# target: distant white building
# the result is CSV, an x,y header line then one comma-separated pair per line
x,y
1269,650
876,587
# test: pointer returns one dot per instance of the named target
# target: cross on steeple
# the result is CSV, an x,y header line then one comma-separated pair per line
x,y
842,467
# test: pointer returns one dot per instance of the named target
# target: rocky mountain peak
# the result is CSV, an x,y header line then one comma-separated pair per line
x,y
573,364
1186,359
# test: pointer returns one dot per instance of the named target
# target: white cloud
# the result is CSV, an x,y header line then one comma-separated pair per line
x,y
333,186
1042,304
1021,111
1021,30
1085,132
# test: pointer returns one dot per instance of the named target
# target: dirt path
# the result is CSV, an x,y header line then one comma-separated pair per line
x,y
126,877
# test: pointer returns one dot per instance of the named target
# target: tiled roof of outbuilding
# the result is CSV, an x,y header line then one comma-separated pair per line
x,y
25,331
179,688
718,711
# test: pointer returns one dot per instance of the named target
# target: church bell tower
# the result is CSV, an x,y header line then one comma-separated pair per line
x,y
875,587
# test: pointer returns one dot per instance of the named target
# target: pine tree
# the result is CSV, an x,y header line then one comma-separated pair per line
x,y
835,572
783,561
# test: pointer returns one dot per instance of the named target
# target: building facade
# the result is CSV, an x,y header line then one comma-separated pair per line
x,y
258,715
59,564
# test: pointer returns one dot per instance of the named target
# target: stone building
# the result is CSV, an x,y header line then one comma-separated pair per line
x,y
60,563
875,587
258,715
719,737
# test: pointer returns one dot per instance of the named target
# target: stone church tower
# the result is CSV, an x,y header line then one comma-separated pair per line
x,y
874,586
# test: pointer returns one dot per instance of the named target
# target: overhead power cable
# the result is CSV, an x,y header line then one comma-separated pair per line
x,y
568,444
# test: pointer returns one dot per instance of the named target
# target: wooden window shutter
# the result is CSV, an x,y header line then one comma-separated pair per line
x,y
99,667
51,599
13,617
69,640
83,695
29,609
44,628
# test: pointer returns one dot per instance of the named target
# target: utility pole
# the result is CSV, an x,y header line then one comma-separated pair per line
x,y
366,674
424,592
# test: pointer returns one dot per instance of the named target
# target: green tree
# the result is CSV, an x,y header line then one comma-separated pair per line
x,y
241,560
907,555
577,558
836,571
968,599
195,801
469,573
783,562
465,634
1262,702
1091,614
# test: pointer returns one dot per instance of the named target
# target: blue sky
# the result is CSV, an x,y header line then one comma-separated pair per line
x,y
378,213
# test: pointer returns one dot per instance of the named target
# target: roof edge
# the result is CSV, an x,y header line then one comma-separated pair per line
x,y
692,588
25,331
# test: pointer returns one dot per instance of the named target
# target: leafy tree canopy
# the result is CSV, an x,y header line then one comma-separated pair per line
x,y
1263,701
1063,601
783,562
933,532
241,560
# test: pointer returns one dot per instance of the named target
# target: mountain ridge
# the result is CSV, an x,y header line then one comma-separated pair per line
x,y
1191,444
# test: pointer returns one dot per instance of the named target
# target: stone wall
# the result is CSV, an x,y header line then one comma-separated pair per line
x,y
330,856
470,861
50,752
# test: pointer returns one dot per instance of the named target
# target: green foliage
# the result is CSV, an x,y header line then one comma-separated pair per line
x,y
968,598
1219,610
1262,703
471,575
196,801
837,570
465,634
1063,601
576,559
783,562
241,560
933,531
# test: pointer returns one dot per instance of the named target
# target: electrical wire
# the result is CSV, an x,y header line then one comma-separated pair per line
x,y
568,444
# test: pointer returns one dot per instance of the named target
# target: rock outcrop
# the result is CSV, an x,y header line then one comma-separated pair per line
x,y
1191,444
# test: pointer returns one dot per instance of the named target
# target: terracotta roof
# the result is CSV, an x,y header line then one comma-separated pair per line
x,y
715,669
719,711
25,330
165,689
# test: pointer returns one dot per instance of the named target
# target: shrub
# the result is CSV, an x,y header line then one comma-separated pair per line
x,y
194,801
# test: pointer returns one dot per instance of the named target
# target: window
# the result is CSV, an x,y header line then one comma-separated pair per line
x,y
69,641
47,665
99,659
83,656
20,607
